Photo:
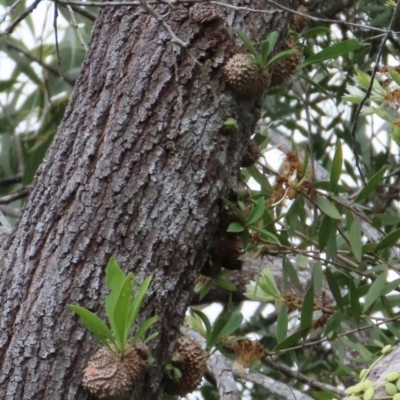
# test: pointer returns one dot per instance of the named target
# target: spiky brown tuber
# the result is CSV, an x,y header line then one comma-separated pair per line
x,y
284,69
109,376
245,77
252,154
299,22
191,361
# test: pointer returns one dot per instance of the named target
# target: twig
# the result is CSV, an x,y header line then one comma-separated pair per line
x,y
9,10
319,341
47,67
10,211
301,377
367,94
56,33
11,180
76,28
20,18
9,198
273,386
85,13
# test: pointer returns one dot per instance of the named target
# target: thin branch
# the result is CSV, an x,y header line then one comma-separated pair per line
x,y
10,211
367,94
9,10
301,377
11,180
20,18
343,334
19,194
47,67
85,13
269,384
76,28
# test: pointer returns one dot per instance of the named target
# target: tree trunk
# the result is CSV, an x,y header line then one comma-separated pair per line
x,y
135,171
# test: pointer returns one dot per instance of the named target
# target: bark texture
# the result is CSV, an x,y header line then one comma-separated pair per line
x,y
135,171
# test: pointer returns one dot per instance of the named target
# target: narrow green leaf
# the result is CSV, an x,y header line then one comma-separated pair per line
x,y
257,211
143,328
235,227
394,75
227,285
205,320
151,337
282,325
355,302
265,51
247,42
205,289
389,240
318,277
115,277
261,179
374,291
266,234
94,325
279,57
371,185
121,312
219,325
137,302
314,32
291,340
336,50
333,324
335,289
327,207
307,309
233,324
355,240
290,271
336,168
390,287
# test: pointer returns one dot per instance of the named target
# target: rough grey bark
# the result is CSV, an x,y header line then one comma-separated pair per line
x,y
135,171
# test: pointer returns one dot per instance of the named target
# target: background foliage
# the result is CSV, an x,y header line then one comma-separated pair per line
x,y
332,227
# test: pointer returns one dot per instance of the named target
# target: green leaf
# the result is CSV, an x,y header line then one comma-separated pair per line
x,y
314,32
121,312
355,302
227,285
233,324
318,277
374,291
355,240
137,302
205,320
247,42
279,57
291,340
336,168
282,325
115,277
266,234
257,211
394,75
327,207
335,289
261,179
205,289
225,324
389,240
307,309
235,227
143,328
151,337
290,271
333,324
371,185
336,50
94,325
